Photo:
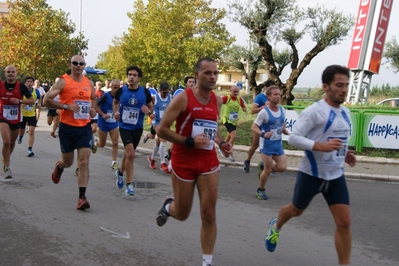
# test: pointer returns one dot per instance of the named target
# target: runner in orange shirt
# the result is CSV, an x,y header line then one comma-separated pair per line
x,y
77,100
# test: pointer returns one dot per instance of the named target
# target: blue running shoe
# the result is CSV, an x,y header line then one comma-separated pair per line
x,y
129,190
119,179
260,168
261,194
272,236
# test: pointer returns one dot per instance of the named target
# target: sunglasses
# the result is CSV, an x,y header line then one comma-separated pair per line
x,y
75,63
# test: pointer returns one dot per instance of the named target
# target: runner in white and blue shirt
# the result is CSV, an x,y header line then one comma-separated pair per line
x,y
323,131
161,102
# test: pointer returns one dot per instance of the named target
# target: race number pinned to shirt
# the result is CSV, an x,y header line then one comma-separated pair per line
x,y
84,110
233,116
111,118
29,107
10,112
336,157
161,112
207,127
276,132
130,115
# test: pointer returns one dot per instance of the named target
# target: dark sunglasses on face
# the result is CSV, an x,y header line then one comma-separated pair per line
x,y
75,63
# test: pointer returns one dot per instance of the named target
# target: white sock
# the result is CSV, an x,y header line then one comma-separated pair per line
x,y
206,259
276,229
167,208
162,152
154,151
113,163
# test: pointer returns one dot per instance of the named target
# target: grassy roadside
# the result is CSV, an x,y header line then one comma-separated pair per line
x,y
244,133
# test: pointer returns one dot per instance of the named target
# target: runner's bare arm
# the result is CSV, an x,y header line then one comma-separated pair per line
x,y
93,101
115,108
54,91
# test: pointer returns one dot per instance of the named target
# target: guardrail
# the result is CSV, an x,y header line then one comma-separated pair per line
x,y
370,128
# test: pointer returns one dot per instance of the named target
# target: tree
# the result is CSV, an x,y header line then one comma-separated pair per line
x,y
37,39
113,60
272,22
166,38
392,54
238,57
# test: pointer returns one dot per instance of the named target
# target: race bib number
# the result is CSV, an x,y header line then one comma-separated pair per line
x,y
161,112
29,107
276,130
233,116
207,127
336,157
111,118
130,115
84,110
10,112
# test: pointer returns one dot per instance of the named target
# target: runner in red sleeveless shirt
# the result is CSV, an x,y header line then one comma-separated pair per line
x,y
11,98
194,160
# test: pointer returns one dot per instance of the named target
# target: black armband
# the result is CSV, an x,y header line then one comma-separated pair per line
x,y
189,142
263,134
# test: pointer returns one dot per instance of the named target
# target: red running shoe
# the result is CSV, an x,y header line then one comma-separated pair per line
x,y
56,175
151,162
164,167
83,204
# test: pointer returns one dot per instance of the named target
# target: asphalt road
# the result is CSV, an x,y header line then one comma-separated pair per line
x,y
41,226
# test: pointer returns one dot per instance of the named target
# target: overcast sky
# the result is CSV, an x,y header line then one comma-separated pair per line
x,y
104,19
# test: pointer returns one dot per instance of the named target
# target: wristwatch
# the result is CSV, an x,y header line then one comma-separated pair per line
x,y
65,106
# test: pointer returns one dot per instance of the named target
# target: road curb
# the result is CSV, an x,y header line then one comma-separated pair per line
x,y
351,175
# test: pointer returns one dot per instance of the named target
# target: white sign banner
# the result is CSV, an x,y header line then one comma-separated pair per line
x,y
382,132
291,117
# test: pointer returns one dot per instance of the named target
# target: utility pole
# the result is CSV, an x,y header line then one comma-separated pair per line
x,y
80,16
248,70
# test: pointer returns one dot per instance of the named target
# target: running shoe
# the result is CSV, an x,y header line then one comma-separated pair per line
x,y
56,175
231,158
114,167
221,153
146,137
164,167
83,204
162,216
261,194
129,190
20,139
271,238
8,175
30,153
260,168
52,134
119,179
151,162
94,146
76,172
246,166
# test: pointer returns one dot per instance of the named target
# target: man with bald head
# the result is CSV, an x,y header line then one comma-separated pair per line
x,y
11,98
229,116
77,101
